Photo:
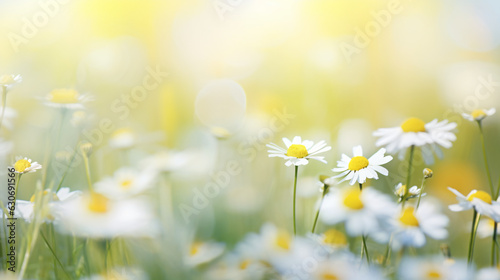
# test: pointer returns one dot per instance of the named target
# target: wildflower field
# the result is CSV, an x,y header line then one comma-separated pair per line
x,y
250,139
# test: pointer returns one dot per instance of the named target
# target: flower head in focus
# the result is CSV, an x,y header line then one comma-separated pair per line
x,y
401,191
478,200
26,165
298,152
359,168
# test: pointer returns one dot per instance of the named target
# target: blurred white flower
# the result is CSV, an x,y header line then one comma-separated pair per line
x,y
78,118
433,268
8,117
24,209
410,227
486,227
364,212
10,80
119,274
236,266
338,268
298,152
167,161
488,273
122,138
202,252
360,168
479,114
66,98
415,132
481,201
125,182
94,215
25,165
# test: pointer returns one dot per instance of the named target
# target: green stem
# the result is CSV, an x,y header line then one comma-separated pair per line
x,y
493,244
408,177
294,198
66,171
475,222
54,254
365,249
387,254
16,186
420,194
87,170
325,188
490,182
4,104
360,187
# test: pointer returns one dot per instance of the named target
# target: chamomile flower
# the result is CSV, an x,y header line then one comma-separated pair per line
x,y
401,191
203,252
24,209
433,268
66,98
236,266
479,114
96,216
26,165
360,168
415,132
364,212
488,273
411,227
341,269
481,201
331,239
123,138
125,182
298,152
10,80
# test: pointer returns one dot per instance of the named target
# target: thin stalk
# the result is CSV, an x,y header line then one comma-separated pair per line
x,y
475,222
294,198
387,254
493,244
408,177
490,182
66,171
365,249
420,194
4,104
54,254
16,186
325,189
87,170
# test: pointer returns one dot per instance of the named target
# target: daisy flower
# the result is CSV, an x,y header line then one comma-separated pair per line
x,y
24,209
480,201
486,227
203,252
125,182
415,132
9,80
66,98
433,268
360,168
401,191
94,215
411,227
298,152
479,114
364,212
341,269
122,138
25,165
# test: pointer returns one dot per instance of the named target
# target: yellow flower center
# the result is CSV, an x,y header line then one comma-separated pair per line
x,y
244,264
352,199
297,150
329,276
408,217
195,248
358,163
334,237
64,96
484,196
126,184
402,191
98,203
121,132
21,165
433,274
413,125
33,197
283,240
478,114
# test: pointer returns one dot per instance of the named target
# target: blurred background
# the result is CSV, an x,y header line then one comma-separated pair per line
x,y
222,78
